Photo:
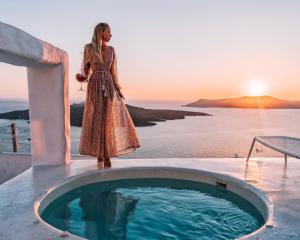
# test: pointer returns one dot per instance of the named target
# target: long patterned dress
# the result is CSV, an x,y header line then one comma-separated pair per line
x,y
107,127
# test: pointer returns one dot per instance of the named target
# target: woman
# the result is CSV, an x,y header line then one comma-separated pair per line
x,y
107,128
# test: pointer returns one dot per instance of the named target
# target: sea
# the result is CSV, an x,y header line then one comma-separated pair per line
x,y
227,133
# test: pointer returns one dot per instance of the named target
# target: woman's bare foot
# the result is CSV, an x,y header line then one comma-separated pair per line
x,y
107,162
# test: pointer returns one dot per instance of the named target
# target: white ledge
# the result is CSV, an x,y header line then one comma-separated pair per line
x,y
22,49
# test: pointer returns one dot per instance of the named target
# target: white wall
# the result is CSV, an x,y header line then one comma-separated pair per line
x,y
48,86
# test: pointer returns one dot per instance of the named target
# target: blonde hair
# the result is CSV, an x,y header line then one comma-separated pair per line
x,y
97,41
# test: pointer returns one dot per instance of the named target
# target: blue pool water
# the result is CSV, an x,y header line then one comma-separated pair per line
x,y
153,209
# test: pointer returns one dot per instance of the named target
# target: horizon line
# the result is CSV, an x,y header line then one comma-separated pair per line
x,y
158,100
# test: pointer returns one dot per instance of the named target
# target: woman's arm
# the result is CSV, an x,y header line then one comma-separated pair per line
x,y
114,70
86,68
86,64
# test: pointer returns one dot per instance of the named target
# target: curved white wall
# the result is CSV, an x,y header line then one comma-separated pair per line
x,y
258,198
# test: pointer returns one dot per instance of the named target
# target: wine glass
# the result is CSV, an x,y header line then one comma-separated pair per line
x,y
81,89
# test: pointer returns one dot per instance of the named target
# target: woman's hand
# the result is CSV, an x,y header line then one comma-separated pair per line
x,y
120,93
80,78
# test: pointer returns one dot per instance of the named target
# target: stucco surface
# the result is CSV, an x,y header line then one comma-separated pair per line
x,y
48,91
278,180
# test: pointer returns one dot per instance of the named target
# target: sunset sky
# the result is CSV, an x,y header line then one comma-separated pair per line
x,y
171,49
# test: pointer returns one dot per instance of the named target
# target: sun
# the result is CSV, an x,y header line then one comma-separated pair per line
x,y
257,88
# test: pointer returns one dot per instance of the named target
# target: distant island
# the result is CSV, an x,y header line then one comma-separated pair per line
x,y
140,116
267,102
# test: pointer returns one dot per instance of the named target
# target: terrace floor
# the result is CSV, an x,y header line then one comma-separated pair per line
x,y
280,181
